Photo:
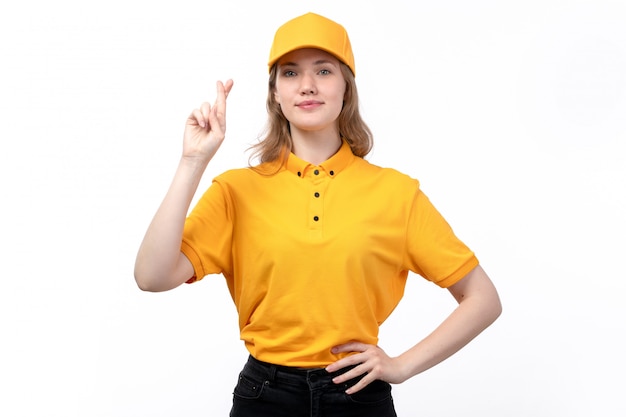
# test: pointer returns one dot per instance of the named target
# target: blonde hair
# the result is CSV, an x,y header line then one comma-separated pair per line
x,y
275,142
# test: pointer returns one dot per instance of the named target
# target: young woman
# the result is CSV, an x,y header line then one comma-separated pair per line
x,y
315,242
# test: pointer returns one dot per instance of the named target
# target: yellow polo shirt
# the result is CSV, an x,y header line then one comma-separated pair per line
x,y
315,256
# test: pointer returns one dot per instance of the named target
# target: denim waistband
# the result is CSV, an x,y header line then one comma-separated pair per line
x,y
296,376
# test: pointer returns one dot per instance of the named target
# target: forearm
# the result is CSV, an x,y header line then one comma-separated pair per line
x,y
463,325
479,306
157,265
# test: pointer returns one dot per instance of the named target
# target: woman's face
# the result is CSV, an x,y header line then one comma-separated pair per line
x,y
310,89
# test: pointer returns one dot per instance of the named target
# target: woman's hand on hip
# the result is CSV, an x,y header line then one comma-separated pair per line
x,y
369,360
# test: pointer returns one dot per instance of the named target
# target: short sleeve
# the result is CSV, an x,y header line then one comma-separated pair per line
x,y
207,235
433,250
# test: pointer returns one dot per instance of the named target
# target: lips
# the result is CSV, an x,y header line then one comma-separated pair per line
x,y
309,104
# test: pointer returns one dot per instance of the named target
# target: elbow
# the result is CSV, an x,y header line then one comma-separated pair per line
x,y
155,281
146,282
497,312
144,287
151,276
149,286
142,276
143,283
489,306
495,309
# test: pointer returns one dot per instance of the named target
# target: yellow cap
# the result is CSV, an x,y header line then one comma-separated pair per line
x,y
312,31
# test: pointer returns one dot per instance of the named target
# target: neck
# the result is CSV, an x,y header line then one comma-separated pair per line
x,y
315,147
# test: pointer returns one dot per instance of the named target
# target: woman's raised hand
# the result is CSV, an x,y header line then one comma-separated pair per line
x,y
206,127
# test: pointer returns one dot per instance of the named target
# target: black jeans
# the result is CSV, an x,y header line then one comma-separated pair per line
x,y
266,390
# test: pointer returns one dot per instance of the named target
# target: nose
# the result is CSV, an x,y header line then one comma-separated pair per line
x,y
307,84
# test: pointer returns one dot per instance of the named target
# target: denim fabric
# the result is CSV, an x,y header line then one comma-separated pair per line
x,y
266,390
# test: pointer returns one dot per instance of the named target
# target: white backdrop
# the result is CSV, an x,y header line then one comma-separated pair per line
x,y
511,114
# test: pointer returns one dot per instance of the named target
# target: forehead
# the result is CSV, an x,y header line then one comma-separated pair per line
x,y
305,55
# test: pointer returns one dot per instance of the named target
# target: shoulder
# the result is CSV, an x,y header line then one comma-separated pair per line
x,y
252,175
385,175
235,178
233,175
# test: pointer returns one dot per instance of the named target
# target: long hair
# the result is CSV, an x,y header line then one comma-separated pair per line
x,y
275,142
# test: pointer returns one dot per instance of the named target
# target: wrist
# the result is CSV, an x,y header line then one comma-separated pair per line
x,y
193,163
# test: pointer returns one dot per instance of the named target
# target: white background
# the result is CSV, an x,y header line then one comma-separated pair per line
x,y
511,114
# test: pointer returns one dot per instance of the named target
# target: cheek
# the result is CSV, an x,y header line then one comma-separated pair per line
x,y
281,91
340,101
341,95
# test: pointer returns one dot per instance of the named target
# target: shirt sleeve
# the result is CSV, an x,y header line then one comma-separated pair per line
x,y
433,250
207,235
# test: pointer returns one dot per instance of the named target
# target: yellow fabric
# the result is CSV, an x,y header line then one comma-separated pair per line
x,y
303,285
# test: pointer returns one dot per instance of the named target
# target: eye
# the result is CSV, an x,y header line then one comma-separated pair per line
x,y
289,73
325,71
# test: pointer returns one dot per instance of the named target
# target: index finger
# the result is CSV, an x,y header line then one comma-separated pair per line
x,y
222,93
352,346
227,87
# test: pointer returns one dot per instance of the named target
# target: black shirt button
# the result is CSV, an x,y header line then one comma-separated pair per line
x,y
332,172
316,218
299,173
316,172
316,195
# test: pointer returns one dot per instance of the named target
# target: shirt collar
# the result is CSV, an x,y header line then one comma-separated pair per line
x,y
332,166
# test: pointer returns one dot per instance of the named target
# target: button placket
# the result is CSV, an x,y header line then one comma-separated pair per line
x,y
319,181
